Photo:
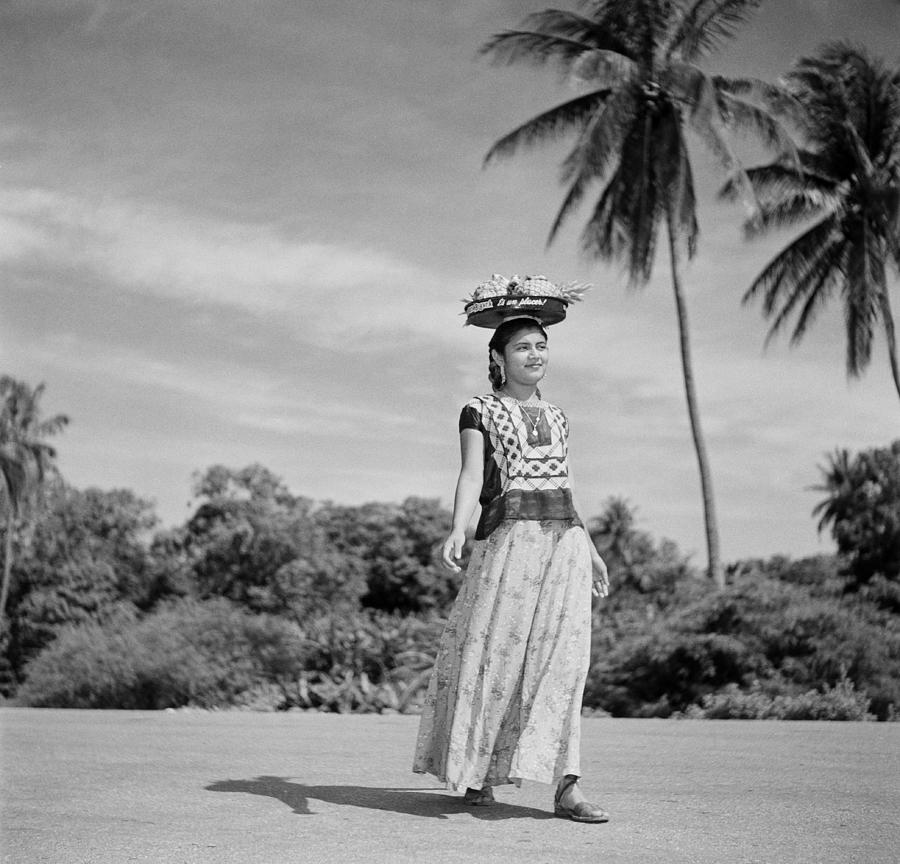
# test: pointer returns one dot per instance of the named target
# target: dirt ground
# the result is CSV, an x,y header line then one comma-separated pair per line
x,y
109,787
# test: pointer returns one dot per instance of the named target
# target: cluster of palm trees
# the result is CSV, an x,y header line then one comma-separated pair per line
x,y
833,123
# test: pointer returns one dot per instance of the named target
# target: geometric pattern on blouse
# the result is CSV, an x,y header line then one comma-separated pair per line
x,y
523,465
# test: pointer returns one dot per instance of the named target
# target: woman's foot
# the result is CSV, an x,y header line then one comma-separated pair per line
x,y
479,797
570,803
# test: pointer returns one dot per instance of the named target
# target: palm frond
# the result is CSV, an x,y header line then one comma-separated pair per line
x,y
535,49
548,126
593,30
602,235
777,99
887,319
686,214
842,88
891,226
572,199
792,264
866,284
640,25
603,68
51,426
626,220
785,212
817,287
707,25
836,477
742,115
554,34
715,104
601,135
677,181
596,148
707,122
642,211
772,181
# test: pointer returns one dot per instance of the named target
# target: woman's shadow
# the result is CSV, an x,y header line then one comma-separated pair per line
x,y
414,802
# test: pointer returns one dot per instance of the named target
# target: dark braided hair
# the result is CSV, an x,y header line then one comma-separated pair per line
x,y
502,337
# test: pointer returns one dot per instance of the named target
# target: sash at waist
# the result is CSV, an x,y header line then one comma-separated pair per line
x,y
533,504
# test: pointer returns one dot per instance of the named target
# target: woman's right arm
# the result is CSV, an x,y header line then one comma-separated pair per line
x,y
468,490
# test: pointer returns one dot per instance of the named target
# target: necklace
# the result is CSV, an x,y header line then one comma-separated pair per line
x,y
526,406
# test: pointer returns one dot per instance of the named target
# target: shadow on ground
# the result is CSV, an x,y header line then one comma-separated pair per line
x,y
414,802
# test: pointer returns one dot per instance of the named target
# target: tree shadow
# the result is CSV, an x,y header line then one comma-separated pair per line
x,y
413,802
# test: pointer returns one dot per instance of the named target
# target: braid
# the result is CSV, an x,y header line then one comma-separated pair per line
x,y
495,373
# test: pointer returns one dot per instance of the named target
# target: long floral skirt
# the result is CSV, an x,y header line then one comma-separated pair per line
x,y
504,700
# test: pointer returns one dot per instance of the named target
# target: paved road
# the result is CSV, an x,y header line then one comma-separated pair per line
x,y
193,786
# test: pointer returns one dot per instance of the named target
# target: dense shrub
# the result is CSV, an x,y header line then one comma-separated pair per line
x,y
188,653
367,661
213,653
667,672
841,702
761,628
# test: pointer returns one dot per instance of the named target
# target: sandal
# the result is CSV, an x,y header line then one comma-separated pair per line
x,y
583,811
479,797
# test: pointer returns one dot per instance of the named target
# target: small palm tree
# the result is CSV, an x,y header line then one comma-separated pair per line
x,y
837,484
847,181
862,509
25,457
636,63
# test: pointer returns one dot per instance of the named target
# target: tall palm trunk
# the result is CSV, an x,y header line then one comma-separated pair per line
x,y
7,565
714,565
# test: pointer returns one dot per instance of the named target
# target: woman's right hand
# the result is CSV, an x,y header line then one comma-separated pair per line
x,y
452,548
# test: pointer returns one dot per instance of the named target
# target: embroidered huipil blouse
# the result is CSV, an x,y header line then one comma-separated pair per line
x,y
526,472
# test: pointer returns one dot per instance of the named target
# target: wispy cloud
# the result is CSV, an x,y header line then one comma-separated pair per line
x,y
334,292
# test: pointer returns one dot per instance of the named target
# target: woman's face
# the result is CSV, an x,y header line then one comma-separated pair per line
x,y
526,356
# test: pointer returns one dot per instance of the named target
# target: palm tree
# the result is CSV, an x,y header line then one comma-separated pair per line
x,y
25,457
861,505
838,478
636,64
847,181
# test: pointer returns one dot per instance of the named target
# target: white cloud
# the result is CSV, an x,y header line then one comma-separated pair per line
x,y
333,292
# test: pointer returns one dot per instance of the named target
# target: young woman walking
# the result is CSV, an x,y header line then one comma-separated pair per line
x,y
504,700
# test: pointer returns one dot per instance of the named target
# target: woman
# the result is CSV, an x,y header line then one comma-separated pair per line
x,y
504,702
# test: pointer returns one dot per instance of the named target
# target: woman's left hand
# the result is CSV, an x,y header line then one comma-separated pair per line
x,y
600,586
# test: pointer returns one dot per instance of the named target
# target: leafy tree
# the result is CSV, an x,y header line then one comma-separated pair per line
x,y
253,542
25,457
392,547
862,507
636,61
246,528
85,557
847,181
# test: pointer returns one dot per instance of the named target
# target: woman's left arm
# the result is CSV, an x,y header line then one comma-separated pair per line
x,y
600,587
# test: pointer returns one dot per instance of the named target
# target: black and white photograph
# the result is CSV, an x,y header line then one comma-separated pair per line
x,y
450,431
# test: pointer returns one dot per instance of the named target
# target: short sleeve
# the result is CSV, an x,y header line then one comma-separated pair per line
x,y
469,418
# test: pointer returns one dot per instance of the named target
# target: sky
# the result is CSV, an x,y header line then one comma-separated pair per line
x,y
239,231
